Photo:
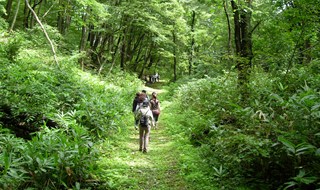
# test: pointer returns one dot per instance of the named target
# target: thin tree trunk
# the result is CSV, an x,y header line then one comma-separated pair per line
x,y
83,39
136,62
123,52
60,19
15,17
229,27
237,32
136,46
114,54
8,10
174,56
29,15
44,31
192,42
146,59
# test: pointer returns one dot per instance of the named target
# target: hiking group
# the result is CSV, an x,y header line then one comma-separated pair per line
x,y
146,113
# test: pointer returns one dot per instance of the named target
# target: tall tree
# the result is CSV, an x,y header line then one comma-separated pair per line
x,y
191,54
15,16
243,43
8,9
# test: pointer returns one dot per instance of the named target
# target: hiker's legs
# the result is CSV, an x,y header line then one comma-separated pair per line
x,y
146,138
155,117
141,139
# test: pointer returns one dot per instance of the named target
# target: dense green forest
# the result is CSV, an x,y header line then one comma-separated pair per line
x,y
240,81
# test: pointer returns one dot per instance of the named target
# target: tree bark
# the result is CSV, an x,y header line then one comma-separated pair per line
x,y
193,18
243,42
115,50
15,17
63,19
229,27
123,52
174,56
83,39
8,10
137,60
29,15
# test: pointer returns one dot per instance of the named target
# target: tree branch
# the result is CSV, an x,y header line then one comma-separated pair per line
x,y
44,31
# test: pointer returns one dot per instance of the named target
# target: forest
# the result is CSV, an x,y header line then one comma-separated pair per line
x,y
239,89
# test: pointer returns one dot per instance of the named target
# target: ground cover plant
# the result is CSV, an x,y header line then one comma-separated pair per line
x,y
57,117
272,142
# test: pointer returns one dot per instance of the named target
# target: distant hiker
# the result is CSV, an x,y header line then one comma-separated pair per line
x,y
145,122
157,77
155,108
135,105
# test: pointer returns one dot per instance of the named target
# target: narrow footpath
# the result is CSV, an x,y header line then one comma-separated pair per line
x,y
128,168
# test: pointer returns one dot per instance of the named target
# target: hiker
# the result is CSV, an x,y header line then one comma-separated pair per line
x,y
157,77
145,122
146,95
135,106
155,108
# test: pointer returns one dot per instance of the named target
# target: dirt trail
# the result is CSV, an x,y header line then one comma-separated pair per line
x,y
129,168
150,90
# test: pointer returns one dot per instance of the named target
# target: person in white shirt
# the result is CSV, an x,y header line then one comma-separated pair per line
x,y
146,121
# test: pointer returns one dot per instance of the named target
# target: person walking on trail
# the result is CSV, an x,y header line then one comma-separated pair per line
x,y
135,107
145,123
145,92
155,108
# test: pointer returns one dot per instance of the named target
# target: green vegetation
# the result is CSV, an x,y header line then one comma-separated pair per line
x,y
271,142
239,92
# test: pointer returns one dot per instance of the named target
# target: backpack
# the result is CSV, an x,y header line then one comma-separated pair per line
x,y
144,120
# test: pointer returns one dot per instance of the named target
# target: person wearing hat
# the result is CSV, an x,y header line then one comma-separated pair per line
x,y
146,121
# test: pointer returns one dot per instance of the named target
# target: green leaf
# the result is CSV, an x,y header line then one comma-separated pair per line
x,y
289,145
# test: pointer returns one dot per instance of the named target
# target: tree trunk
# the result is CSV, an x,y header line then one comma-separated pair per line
x,y
83,39
44,31
136,45
60,18
193,17
8,10
174,56
229,27
307,52
123,52
243,41
137,60
146,59
15,17
29,16
115,50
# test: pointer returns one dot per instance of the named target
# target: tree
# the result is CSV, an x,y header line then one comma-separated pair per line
x,y
243,43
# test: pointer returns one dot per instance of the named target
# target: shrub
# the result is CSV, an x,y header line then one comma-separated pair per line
x,y
242,143
53,159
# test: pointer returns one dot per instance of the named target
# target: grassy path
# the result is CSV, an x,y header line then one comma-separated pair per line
x,y
131,169
128,168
